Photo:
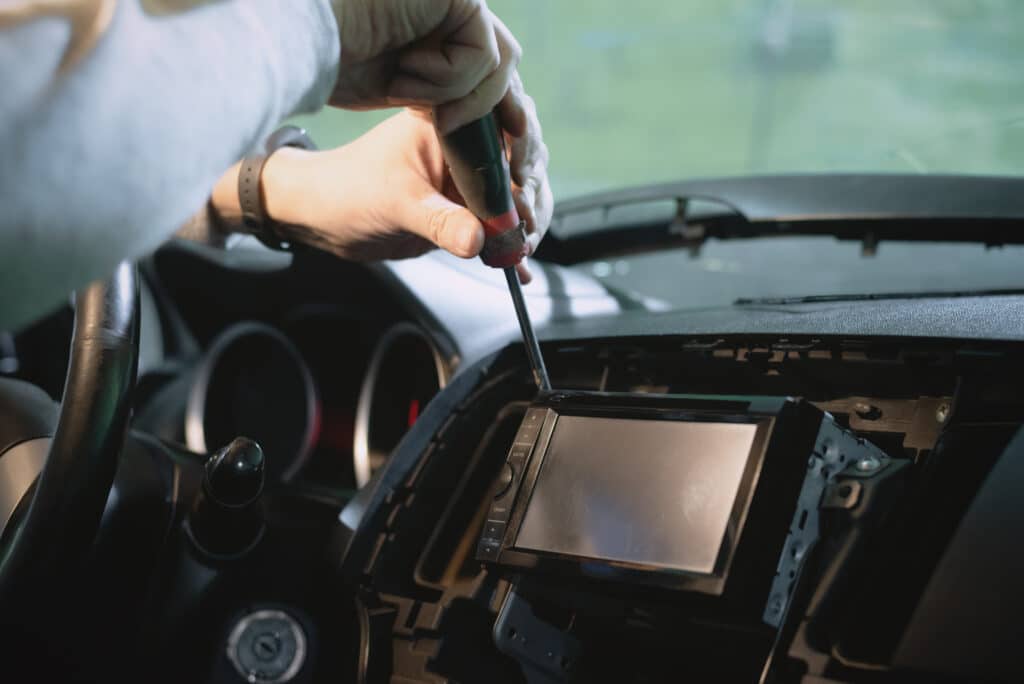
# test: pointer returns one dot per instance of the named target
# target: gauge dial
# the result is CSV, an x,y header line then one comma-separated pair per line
x,y
405,372
254,383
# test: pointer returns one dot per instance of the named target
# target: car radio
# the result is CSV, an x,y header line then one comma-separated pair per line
x,y
711,495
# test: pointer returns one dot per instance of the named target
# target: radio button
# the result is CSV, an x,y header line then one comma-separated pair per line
x,y
488,549
518,453
530,427
527,435
534,416
499,511
494,530
517,462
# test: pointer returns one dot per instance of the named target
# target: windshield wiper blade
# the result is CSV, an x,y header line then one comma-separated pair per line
x,y
817,299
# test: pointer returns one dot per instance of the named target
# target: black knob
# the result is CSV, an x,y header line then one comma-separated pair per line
x,y
505,479
226,520
234,474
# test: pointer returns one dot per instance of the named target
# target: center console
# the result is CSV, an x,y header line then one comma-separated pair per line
x,y
712,514
592,536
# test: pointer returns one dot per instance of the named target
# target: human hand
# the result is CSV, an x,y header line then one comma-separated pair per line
x,y
453,55
387,195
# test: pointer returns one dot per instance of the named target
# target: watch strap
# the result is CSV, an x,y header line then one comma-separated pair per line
x,y
250,191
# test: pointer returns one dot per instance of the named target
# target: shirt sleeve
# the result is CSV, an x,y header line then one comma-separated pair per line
x,y
102,160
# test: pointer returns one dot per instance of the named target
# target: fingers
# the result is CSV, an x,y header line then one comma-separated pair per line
x,y
465,75
528,164
512,109
450,66
512,114
523,271
446,224
369,28
543,208
489,92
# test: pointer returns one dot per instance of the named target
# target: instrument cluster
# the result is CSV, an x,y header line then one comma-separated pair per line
x,y
326,405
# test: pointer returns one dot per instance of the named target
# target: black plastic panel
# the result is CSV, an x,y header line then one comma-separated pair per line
x,y
968,620
841,197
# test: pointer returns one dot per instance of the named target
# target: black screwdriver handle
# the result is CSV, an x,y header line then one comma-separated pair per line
x,y
476,160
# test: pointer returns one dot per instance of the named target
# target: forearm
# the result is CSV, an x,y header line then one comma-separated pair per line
x,y
108,160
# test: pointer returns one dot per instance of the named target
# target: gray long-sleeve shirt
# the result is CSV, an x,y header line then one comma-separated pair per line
x,y
108,144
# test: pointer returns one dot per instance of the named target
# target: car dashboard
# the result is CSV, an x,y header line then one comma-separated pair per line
x,y
777,493
874,453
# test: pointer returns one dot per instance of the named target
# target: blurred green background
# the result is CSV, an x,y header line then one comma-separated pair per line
x,y
639,91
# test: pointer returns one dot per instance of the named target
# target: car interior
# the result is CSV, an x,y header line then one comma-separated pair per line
x,y
273,466
782,439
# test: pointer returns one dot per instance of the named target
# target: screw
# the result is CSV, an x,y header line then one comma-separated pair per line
x,y
866,411
868,464
775,605
266,646
831,453
942,413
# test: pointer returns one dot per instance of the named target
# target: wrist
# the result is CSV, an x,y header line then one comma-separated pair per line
x,y
224,207
280,186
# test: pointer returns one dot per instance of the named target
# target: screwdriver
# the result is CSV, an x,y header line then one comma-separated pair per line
x,y
476,160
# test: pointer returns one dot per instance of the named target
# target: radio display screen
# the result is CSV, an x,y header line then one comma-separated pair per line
x,y
658,493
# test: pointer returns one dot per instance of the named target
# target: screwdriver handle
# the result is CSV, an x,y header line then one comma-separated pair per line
x,y
476,160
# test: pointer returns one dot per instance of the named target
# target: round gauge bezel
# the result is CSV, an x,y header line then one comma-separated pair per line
x,y
364,407
195,409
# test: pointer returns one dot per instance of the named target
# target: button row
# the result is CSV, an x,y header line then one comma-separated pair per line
x,y
490,541
489,547
529,429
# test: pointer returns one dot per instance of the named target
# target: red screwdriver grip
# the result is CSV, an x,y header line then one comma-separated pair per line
x,y
504,240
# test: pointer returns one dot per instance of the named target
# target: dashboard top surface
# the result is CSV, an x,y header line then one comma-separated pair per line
x,y
462,304
992,318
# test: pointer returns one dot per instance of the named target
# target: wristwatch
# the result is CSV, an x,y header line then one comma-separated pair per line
x,y
250,194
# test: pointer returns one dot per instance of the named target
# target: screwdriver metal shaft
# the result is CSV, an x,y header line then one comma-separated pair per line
x,y
540,372
478,165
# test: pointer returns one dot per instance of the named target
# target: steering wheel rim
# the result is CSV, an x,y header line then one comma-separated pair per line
x,y
71,492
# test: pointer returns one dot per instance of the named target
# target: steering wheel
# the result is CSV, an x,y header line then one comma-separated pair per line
x,y
59,525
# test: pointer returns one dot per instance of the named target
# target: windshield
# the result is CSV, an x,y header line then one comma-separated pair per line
x,y
654,90
647,91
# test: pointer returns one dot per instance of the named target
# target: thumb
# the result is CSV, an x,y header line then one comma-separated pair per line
x,y
448,225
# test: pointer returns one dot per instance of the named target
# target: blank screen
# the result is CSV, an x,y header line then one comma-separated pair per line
x,y
654,492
